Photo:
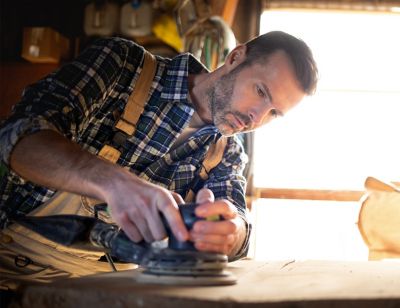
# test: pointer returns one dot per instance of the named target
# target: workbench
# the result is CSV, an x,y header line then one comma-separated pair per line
x,y
260,284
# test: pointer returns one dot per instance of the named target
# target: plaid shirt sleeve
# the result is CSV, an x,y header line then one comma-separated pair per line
x,y
64,100
226,181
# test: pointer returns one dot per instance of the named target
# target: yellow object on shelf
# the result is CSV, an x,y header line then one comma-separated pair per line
x,y
165,29
44,45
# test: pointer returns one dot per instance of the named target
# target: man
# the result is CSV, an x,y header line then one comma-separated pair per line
x,y
51,140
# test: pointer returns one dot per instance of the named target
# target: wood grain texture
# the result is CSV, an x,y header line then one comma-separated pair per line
x,y
260,284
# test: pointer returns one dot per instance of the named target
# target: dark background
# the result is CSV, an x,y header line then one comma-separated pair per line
x,y
65,16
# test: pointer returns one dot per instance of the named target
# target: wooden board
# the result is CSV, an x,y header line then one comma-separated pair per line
x,y
260,284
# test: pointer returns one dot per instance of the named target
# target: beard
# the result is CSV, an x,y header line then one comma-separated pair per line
x,y
220,105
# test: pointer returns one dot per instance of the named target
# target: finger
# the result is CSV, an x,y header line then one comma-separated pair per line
x,y
204,195
141,224
215,227
130,229
220,207
174,219
178,198
203,246
216,239
156,226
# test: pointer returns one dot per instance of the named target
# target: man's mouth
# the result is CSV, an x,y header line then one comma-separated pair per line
x,y
237,123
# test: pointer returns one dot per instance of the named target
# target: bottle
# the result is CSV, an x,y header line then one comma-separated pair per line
x,y
136,18
101,18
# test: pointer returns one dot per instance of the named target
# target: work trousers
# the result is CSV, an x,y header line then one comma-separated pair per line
x,y
26,256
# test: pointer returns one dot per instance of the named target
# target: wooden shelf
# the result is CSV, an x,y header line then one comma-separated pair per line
x,y
14,77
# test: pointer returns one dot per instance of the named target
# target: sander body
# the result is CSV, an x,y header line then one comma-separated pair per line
x,y
164,259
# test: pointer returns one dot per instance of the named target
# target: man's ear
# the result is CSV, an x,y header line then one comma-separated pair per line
x,y
236,56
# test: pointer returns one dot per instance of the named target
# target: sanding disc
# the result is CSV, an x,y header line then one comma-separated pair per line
x,y
223,278
173,267
181,263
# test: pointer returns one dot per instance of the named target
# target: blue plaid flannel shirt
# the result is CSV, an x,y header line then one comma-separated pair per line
x,y
81,100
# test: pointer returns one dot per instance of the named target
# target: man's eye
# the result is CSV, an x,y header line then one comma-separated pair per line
x,y
260,92
274,113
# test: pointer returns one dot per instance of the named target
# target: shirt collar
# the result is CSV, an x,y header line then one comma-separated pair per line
x,y
176,86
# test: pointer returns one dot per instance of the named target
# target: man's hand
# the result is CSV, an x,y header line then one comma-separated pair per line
x,y
225,236
136,206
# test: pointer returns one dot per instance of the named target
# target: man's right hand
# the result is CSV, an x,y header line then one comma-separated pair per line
x,y
136,206
49,159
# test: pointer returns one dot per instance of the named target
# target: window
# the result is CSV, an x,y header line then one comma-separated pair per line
x,y
348,130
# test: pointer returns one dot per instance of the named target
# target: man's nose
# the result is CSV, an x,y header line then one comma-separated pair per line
x,y
260,114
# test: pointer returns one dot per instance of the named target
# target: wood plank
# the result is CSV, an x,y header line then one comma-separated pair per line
x,y
229,11
309,194
260,284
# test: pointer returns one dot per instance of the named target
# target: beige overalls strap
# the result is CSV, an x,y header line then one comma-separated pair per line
x,y
134,107
213,157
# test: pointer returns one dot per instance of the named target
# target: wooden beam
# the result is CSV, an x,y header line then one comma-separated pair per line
x,y
228,14
309,194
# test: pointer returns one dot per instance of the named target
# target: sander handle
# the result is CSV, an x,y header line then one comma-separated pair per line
x,y
187,211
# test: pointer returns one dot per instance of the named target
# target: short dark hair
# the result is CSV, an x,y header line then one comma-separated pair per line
x,y
259,48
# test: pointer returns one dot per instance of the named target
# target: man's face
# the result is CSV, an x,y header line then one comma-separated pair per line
x,y
248,98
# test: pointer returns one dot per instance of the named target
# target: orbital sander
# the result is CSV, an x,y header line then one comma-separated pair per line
x,y
163,262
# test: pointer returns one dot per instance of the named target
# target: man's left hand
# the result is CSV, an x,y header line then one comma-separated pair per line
x,y
222,236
